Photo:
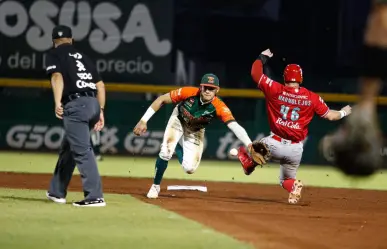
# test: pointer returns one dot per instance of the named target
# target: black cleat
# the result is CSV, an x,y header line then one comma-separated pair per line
x,y
99,202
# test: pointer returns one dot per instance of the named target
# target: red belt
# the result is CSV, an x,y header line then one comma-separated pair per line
x,y
279,139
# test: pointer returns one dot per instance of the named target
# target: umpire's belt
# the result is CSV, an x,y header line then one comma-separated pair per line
x,y
78,95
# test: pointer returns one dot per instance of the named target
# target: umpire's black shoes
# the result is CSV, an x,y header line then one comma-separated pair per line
x,y
99,202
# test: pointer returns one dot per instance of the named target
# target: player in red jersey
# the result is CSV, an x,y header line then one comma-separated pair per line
x,y
290,109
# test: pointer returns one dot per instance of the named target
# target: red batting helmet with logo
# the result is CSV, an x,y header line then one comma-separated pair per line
x,y
293,73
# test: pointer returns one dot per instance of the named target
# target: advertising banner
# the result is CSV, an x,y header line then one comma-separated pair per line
x,y
117,139
130,41
34,127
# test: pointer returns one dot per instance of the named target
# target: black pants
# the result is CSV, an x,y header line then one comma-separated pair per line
x,y
79,116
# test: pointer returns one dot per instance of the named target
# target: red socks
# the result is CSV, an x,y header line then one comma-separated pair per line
x,y
288,184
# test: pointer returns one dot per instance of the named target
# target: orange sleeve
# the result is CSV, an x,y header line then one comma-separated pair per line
x,y
222,111
183,93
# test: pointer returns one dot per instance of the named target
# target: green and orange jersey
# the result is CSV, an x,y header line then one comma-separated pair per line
x,y
195,114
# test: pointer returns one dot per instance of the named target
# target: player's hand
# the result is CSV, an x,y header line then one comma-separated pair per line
x,y
268,53
59,111
347,109
101,123
140,128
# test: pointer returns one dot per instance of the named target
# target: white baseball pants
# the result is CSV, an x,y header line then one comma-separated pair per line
x,y
191,141
288,154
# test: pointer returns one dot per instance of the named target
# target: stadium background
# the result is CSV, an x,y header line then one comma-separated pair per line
x,y
146,48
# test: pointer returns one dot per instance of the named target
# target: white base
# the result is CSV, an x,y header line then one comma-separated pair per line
x,y
181,187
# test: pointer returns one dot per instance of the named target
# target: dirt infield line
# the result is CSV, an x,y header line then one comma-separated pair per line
x,y
258,214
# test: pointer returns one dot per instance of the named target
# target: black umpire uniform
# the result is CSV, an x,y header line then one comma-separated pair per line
x,y
81,111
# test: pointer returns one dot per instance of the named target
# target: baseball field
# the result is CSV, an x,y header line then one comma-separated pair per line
x,y
238,211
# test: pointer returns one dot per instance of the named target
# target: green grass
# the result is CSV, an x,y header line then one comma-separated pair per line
x,y
29,221
208,170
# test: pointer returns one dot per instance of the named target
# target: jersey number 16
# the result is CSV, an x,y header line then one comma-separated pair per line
x,y
294,116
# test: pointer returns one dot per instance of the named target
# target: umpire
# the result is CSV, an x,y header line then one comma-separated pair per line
x,y
79,95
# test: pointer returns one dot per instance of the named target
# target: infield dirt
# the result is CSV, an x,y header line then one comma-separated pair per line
x,y
258,214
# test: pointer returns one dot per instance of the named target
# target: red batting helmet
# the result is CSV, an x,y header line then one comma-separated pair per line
x,y
293,73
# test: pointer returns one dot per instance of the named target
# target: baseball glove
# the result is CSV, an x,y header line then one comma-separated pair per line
x,y
259,152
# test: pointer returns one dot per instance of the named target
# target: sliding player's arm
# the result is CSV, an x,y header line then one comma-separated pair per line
x,y
264,83
322,110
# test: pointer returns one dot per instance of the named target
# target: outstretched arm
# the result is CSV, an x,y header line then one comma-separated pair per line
x,y
141,126
224,113
239,132
322,110
258,152
173,96
257,68
334,115
160,101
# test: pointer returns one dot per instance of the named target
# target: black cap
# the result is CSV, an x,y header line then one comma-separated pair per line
x,y
62,31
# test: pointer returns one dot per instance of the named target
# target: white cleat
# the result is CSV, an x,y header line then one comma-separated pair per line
x,y
55,199
295,195
153,191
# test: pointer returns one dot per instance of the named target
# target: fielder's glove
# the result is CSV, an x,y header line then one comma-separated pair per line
x,y
259,152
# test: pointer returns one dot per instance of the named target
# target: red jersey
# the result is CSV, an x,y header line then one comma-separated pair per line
x,y
290,109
